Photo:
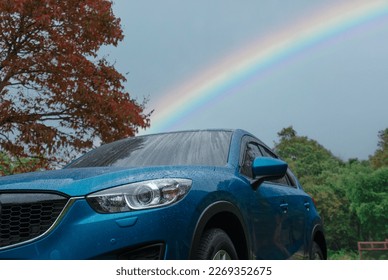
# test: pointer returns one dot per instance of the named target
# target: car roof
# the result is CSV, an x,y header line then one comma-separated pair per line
x,y
188,130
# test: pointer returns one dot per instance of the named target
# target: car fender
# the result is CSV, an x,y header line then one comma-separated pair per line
x,y
211,211
318,236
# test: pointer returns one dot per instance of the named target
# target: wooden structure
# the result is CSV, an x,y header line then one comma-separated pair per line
x,y
372,246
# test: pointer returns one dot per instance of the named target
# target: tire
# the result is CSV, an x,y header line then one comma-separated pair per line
x,y
215,244
316,252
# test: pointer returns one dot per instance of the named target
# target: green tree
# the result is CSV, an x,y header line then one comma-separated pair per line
x,y
352,197
320,174
380,157
368,195
341,225
307,158
287,133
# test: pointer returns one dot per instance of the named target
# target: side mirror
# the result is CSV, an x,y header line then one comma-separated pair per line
x,y
267,168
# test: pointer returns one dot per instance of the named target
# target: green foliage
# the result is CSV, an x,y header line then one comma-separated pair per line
x,y
343,255
368,194
374,255
380,158
352,197
10,165
341,225
306,157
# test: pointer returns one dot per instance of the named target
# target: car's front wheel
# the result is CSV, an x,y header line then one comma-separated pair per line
x,y
215,244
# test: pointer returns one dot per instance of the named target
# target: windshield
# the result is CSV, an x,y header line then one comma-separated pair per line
x,y
177,148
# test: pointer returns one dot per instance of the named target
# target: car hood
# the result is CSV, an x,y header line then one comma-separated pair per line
x,y
82,181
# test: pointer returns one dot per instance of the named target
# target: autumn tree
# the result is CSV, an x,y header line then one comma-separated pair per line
x,y
57,95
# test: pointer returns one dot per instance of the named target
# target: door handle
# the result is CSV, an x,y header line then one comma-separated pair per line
x,y
284,207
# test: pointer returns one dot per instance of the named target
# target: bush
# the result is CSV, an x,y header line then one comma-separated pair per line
x,y
343,255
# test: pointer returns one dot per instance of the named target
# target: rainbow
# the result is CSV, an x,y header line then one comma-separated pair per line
x,y
247,63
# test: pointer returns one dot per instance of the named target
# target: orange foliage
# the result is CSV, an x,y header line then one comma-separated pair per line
x,y
56,95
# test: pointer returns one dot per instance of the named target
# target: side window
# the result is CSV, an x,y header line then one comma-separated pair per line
x,y
251,152
286,180
266,152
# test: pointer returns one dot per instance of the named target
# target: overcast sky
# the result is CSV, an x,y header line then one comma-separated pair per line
x,y
334,91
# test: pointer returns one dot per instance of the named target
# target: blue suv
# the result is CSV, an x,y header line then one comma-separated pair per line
x,y
206,194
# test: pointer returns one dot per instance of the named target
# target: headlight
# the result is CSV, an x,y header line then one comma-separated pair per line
x,y
141,195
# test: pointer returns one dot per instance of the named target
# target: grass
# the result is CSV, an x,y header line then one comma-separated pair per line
x,y
355,255
343,255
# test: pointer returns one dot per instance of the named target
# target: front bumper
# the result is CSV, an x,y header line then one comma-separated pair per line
x,y
81,233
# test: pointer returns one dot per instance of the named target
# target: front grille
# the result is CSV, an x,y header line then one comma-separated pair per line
x,y
25,216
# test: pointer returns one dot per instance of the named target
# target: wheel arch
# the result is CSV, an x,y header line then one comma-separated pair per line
x,y
319,238
226,216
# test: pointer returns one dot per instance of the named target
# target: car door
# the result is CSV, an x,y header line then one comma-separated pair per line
x,y
268,208
294,204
